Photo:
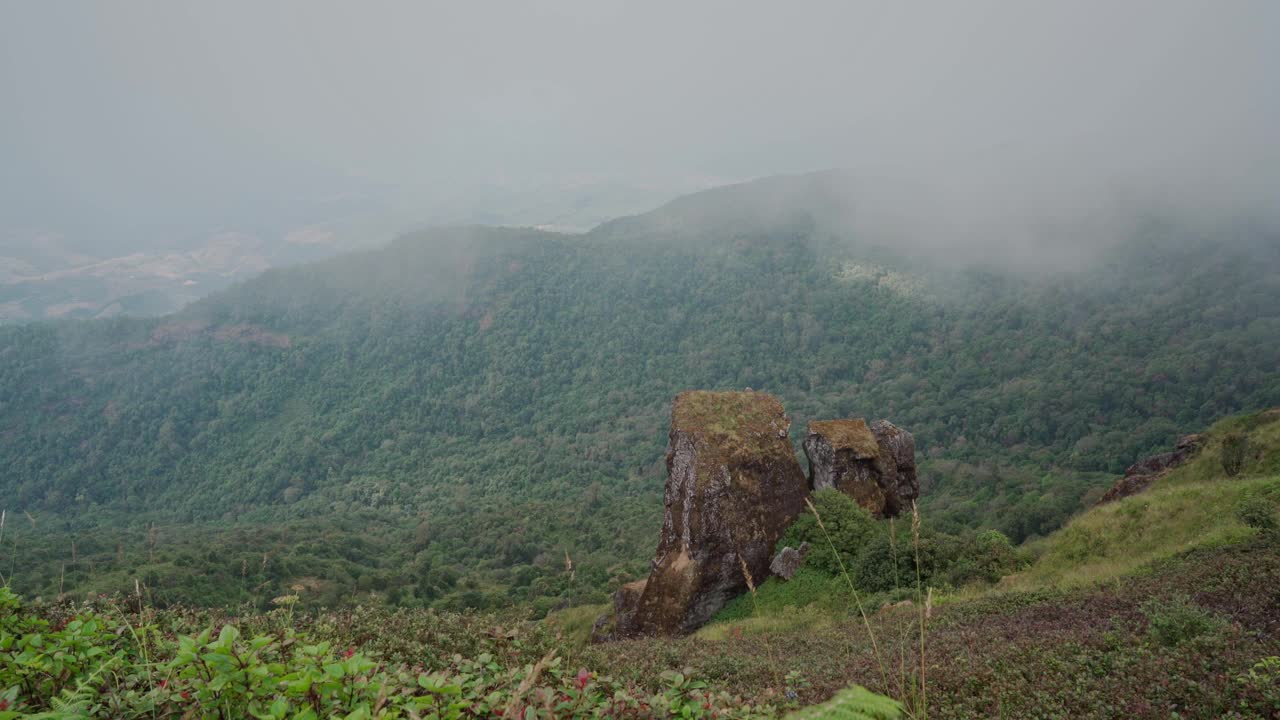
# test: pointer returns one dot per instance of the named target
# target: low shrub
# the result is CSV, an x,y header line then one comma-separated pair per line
x,y
985,557
1235,448
1258,512
1263,679
131,665
848,528
887,561
882,556
809,586
852,703
1177,619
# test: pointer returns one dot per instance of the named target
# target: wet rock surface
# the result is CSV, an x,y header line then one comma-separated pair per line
x,y
733,487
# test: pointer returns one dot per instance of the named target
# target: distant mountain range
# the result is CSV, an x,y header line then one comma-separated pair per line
x,y
41,278
45,275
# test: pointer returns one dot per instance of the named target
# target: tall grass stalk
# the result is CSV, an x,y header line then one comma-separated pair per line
x,y
515,706
893,552
857,598
926,607
5,580
140,641
897,585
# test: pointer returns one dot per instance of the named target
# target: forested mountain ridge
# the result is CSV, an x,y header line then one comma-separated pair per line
x,y
465,406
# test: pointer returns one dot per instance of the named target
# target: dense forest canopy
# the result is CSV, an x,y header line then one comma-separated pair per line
x,y
444,420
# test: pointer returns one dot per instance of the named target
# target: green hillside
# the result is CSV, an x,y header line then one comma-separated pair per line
x,y
1165,599
1195,505
1172,614
443,420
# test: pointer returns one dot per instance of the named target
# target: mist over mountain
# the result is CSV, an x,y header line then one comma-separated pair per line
x,y
44,275
136,129
503,389
356,357
135,186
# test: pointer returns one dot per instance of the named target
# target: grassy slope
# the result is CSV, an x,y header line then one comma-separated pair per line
x,y
1083,653
1069,637
1193,506
1176,638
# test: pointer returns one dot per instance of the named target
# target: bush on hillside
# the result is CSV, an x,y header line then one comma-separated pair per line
x,y
1235,447
887,563
809,587
888,559
984,557
847,528
1258,512
881,556
1177,619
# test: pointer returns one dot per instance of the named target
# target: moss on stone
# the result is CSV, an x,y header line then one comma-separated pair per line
x,y
852,434
732,422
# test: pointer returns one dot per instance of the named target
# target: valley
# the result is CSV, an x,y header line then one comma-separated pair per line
x,y
472,420
488,400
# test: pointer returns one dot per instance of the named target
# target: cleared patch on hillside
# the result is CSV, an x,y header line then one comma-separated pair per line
x,y
896,282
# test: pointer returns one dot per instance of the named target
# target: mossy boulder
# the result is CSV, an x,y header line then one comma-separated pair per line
x,y
873,464
733,487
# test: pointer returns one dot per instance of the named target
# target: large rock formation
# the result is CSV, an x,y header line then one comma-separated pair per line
x,y
733,487
1142,474
875,465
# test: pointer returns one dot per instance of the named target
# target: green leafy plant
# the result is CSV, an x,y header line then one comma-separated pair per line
x,y
794,683
1264,680
846,528
1258,512
1177,619
90,665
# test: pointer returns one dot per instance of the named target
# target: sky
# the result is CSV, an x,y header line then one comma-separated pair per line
x,y
148,119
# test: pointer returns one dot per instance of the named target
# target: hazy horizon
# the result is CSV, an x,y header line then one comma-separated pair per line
x,y
147,121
